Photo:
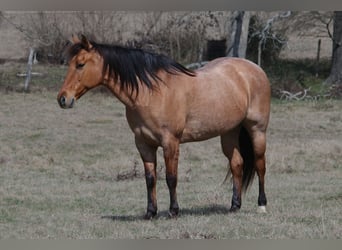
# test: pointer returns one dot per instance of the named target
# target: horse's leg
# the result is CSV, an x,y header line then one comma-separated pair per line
x,y
259,145
171,153
230,148
149,157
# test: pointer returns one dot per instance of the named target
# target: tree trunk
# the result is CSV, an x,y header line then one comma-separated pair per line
x,y
244,34
259,52
237,44
335,76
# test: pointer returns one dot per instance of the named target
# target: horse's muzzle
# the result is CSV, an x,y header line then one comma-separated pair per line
x,y
65,102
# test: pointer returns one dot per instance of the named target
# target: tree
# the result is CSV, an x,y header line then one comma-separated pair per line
x,y
237,44
335,76
265,35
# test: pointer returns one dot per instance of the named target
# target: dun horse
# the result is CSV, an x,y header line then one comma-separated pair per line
x,y
167,104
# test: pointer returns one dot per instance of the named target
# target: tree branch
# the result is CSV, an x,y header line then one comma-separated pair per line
x,y
24,32
338,44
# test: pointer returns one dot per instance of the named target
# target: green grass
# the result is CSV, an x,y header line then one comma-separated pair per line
x,y
52,76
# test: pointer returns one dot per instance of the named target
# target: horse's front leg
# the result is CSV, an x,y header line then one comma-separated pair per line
x,y
148,155
171,153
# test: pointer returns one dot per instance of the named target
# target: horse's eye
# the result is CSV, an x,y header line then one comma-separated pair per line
x,y
79,65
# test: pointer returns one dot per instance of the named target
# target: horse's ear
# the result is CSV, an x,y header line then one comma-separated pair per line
x,y
75,39
86,42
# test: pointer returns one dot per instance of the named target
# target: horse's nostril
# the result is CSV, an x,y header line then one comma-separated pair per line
x,y
66,103
62,101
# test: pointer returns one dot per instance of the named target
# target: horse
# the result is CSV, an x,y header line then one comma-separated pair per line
x,y
168,104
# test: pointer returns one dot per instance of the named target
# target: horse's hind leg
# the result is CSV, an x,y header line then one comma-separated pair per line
x,y
230,148
148,155
257,132
259,145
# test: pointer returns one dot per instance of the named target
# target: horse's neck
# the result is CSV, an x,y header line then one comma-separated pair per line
x,y
126,96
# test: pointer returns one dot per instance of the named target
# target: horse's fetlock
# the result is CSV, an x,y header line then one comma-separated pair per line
x,y
150,215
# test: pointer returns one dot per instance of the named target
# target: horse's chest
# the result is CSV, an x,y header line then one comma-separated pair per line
x,y
141,129
146,134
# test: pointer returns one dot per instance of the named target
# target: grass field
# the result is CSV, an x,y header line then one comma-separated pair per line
x,y
76,174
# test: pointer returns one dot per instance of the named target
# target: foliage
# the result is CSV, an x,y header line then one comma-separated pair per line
x,y
298,75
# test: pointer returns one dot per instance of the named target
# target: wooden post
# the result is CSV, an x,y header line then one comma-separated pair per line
x,y
29,70
318,56
259,52
237,33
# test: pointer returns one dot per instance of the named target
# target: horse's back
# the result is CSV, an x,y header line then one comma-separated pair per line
x,y
236,81
237,71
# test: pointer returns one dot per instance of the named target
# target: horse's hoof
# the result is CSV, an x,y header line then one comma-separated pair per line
x,y
261,209
173,213
173,216
149,215
234,209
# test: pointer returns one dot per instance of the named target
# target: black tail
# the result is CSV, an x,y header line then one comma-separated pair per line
x,y
247,153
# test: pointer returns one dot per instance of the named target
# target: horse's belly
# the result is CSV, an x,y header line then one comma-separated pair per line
x,y
199,130
197,136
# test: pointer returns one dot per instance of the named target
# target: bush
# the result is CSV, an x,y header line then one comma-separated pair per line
x,y
179,36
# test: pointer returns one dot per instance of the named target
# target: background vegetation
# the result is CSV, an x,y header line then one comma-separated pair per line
x,y
182,36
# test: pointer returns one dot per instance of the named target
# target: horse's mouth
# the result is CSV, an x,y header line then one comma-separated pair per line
x,y
81,93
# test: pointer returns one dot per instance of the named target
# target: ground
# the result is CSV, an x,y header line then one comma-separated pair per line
x,y
77,174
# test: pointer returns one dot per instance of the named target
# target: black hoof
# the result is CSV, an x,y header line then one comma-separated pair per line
x,y
149,215
173,213
234,209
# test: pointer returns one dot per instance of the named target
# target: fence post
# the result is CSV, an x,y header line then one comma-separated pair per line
x,y
318,56
29,70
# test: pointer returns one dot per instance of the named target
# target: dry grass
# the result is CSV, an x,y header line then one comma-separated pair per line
x,y
76,174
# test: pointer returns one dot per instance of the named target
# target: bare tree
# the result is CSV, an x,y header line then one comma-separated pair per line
x,y
237,44
177,34
43,32
335,76
266,32
106,26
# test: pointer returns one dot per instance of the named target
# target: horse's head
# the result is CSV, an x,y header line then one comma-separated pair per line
x,y
84,73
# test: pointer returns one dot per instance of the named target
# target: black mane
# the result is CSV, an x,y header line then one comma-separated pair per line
x,y
130,64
